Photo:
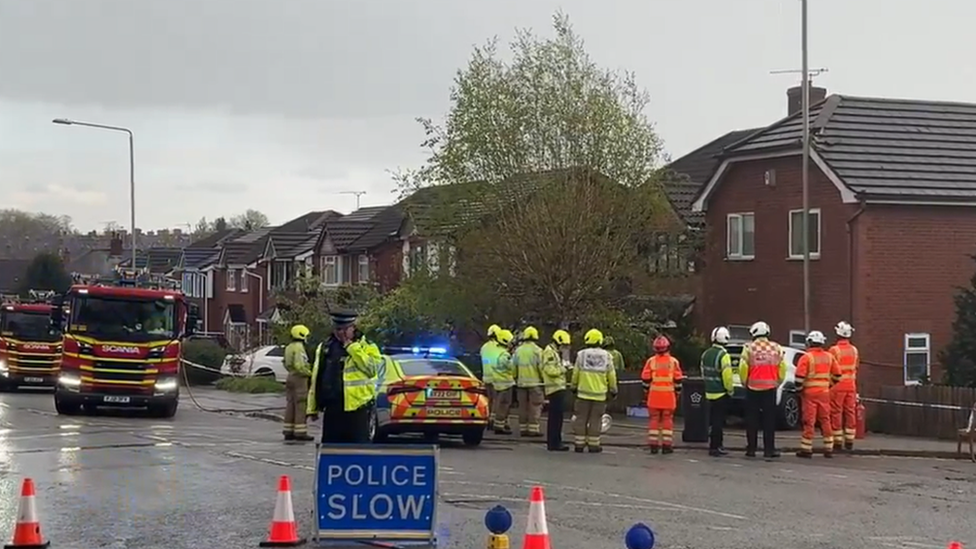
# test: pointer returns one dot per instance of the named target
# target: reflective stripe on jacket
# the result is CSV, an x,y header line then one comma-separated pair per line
x,y
528,365
762,365
359,382
660,376
849,360
504,377
816,371
594,375
553,372
716,365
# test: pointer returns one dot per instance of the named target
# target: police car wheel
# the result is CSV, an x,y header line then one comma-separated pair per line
x,y
473,437
375,433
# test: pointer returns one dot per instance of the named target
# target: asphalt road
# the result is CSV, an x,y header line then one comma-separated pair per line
x,y
208,480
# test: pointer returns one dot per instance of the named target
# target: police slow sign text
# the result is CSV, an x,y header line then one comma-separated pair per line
x,y
376,493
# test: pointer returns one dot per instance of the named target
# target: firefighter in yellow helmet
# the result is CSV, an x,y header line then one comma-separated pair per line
x,y
554,379
489,357
504,382
593,378
295,427
528,379
618,357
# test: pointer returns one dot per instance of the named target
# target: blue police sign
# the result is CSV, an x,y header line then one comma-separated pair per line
x,y
376,493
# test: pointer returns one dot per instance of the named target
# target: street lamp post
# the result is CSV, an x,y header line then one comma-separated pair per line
x,y
132,171
805,169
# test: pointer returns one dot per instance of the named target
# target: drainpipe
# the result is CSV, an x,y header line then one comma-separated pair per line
x,y
260,297
850,260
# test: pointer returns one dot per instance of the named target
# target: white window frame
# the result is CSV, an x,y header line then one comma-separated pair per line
x,y
243,283
734,328
362,272
738,255
200,284
789,243
926,351
231,280
331,263
801,344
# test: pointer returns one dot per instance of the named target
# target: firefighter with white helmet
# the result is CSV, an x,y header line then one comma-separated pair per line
x,y
594,377
843,395
716,365
762,368
816,372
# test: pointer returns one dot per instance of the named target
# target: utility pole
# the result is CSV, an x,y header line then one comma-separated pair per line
x,y
806,168
357,193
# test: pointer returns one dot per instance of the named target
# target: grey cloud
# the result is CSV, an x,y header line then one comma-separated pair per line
x,y
212,187
296,58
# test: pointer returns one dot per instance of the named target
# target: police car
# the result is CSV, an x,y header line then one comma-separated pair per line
x,y
426,391
787,399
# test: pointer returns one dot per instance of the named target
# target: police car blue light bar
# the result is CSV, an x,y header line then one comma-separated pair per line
x,y
417,350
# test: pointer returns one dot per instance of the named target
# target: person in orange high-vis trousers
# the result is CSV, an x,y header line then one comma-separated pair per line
x,y
843,395
661,378
816,372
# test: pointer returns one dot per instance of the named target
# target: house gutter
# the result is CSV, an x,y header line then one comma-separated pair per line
x,y
850,259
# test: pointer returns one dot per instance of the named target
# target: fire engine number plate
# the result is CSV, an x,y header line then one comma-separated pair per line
x,y
34,380
116,399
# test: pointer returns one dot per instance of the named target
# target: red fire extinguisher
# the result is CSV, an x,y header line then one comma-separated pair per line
x,y
860,422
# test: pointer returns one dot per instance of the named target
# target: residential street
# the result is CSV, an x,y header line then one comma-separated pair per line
x,y
208,479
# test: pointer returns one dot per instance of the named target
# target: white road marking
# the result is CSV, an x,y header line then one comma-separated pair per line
x,y
651,501
482,497
269,461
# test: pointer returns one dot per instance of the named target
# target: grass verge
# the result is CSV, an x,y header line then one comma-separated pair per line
x,y
252,385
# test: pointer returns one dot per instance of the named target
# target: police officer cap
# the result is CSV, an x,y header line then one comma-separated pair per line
x,y
343,317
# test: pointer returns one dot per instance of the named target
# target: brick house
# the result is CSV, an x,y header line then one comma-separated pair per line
x,y
892,195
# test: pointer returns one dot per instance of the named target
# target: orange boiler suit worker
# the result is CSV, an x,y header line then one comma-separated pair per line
x,y
661,378
843,395
816,372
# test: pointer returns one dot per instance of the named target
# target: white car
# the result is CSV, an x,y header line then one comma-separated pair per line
x,y
263,361
787,398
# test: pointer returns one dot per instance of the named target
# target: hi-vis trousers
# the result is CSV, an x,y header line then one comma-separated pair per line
x,y
589,421
660,427
816,408
843,411
296,398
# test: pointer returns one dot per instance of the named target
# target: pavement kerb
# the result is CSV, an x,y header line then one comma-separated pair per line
x,y
886,452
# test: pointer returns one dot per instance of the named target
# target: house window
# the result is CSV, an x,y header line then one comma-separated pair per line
x,y
330,270
231,280
244,278
798,339
741,237
918,348
200,284
188,287
739,333
279,274
796,234
418,259
363,273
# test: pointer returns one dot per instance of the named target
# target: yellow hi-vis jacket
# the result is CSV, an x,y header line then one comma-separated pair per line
x,y
490,352
504,378
358,375
594,375
528,365
296,359
553,372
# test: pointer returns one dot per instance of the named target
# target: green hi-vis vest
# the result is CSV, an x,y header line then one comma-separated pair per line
x,y
711,364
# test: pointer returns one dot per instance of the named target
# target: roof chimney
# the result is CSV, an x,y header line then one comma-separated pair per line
x,y
794,98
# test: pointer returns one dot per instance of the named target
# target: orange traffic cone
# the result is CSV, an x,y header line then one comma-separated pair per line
x,y
536,531
284,529
27,530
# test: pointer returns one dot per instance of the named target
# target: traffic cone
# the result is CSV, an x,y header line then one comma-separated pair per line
x,y
284,529
27,530
536,531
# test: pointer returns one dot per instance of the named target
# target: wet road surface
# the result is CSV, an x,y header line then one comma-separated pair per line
x,y
205,479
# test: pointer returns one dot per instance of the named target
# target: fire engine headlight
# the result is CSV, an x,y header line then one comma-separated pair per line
x,y
69,380
157,352
164,385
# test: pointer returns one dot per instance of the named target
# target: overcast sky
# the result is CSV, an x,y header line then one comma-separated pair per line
x,y
281,105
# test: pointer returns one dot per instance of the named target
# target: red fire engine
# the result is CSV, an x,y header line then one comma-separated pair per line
x,y
121,345
29,348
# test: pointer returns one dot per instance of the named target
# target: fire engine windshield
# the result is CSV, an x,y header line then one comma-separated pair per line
x,y
28,326
125,319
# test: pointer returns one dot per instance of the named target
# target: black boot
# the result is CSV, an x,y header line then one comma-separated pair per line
x,y
289,437
667,450
594,449
848,447
828,453
804,454
303,437
560,448
772,455
655,449
579,448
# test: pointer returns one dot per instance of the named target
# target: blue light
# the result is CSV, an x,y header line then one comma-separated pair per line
x,y
415,350
437,350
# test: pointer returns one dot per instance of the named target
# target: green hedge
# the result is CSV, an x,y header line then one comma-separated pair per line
x,y
206,353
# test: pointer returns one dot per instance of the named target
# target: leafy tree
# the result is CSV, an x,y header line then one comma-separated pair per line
x,y
45,272
959,357
202,229
249,220
559,155
220,224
